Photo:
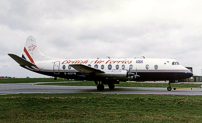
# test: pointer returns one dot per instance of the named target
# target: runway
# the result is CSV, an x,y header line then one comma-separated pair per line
x,y
26,88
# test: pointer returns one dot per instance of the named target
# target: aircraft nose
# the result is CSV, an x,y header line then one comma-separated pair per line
x,y
189,74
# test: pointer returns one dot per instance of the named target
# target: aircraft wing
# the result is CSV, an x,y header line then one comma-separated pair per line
x,y
20,60
85,69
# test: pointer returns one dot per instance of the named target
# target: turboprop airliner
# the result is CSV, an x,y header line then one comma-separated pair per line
x,y
108,71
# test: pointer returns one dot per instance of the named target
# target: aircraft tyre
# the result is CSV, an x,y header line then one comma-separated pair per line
x,y
169,88
100,87
111,86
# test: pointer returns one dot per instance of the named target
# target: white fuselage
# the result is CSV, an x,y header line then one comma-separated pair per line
x,y
102,71
116,68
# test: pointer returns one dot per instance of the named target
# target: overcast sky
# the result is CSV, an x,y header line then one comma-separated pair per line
x,y
92,28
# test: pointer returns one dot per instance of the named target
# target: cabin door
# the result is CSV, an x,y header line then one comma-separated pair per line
x,y
56,67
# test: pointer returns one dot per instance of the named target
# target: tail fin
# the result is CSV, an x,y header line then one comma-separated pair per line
x,y
32,52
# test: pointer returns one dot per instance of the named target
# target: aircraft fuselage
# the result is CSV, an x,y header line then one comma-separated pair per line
x,y
105,71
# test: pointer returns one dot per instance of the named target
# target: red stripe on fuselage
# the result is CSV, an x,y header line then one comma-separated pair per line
x,y
30,58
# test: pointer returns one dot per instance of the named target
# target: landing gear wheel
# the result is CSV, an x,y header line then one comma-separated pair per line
x,y
100,87
111,86
169,88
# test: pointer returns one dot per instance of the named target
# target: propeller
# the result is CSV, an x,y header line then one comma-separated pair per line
x,y
136,76
132,75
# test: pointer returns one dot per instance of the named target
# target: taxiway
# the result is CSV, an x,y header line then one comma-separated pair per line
x,y
34,88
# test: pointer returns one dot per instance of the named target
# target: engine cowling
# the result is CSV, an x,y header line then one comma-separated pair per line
x,y
113,74
132,76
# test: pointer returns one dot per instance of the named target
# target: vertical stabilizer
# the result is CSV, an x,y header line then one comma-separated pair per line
x,y
32,52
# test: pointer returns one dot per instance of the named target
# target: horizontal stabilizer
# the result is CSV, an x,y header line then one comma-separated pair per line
x,y
85,69
20,60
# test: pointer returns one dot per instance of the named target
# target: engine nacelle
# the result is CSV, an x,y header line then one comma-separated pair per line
x,y
114,74
132,76
173,81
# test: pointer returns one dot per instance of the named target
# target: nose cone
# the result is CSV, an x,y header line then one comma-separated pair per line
x,y
189,74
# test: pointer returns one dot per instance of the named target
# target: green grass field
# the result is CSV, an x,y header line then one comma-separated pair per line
x,y
99,108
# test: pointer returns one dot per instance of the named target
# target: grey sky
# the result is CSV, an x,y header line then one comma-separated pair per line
x,y
91,29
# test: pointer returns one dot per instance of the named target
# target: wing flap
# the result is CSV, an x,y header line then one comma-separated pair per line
x,y
20,60
85,69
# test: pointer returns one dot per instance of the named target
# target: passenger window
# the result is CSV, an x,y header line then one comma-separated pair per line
x,y
131,67
96,66
69,67
147,67
117,66
89,65
63,66
102,67
109,66
123,67
155,67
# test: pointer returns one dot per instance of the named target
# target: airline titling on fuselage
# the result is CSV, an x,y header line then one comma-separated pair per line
x,y
102,71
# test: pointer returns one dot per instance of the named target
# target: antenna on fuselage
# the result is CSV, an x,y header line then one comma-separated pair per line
x,y
140,57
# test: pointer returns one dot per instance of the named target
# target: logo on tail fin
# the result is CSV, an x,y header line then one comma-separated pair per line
x,y
31,48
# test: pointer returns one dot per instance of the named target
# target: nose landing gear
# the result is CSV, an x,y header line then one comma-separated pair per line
x,y
169,88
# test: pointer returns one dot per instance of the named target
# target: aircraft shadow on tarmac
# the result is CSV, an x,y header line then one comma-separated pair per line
x,y
129,89
145,90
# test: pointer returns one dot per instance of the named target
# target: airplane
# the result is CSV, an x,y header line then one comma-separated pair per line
x,y
102,71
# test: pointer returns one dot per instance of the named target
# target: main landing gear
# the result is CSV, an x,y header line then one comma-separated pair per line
x,y
111,86
100,86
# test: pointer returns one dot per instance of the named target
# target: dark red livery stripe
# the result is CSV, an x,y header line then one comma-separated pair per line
x,y
30,58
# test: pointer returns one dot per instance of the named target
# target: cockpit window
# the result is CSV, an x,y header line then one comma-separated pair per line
x,y
175,63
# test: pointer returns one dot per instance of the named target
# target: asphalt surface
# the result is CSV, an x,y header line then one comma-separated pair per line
x,y
33,88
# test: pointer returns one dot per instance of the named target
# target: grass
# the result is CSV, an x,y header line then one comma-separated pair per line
x,y
99,108
173,85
